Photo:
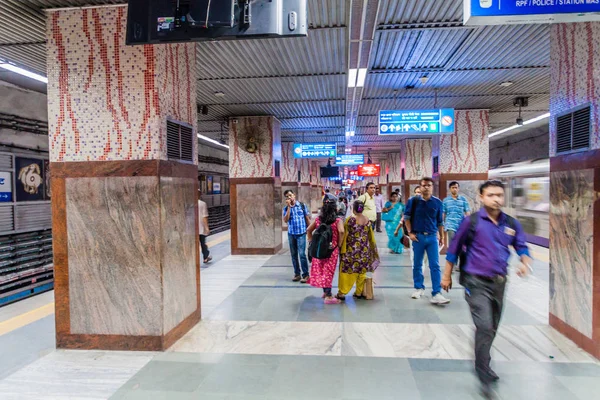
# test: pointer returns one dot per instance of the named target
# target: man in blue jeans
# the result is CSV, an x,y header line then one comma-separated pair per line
x,y
297,218
426,230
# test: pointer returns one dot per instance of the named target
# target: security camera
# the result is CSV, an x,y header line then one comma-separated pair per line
x,y
234,121
519,121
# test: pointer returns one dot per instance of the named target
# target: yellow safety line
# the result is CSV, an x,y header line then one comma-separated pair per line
x,y
219,240
27,318
34,315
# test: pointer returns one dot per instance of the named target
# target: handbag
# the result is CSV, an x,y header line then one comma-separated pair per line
x,y
369,289
405,241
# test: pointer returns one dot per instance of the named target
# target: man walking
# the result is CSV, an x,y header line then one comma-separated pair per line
x,y
379,202
425,229
486,236
297,217
456,208
368,200
203,229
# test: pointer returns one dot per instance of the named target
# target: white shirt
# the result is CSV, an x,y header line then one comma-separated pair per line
x,y
202,213
378,202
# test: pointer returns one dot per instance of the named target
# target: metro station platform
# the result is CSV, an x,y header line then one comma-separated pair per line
x,y
265,337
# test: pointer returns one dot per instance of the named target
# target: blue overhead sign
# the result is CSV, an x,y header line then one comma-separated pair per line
x,y
416,122
495,12
315,150
350,159
6,187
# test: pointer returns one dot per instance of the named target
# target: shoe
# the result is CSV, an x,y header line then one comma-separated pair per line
x,y
362,297
340,296
305,279
331,300
380,231
418,293
439,299
207,260
296,278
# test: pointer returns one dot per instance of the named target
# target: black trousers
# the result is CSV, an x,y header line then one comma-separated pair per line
x,y
486,300
378,222
205,252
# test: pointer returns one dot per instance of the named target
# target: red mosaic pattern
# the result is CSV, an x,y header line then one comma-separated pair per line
x,y
394,167
289,164
108,101
466,151
243,164
574,67
305,171
418,159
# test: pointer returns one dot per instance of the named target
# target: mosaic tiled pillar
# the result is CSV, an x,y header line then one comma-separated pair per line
x,y
305,186
125,220
316,190
393,168
575,189
416,162
289,172
255,185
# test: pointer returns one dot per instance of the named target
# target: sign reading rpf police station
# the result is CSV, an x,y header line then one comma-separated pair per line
x,y
315,150
5,187
416,122
496,12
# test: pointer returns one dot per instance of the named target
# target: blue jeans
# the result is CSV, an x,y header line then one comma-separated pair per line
x,y
298,247
429,244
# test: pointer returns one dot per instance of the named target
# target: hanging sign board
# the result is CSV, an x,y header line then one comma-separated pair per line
x,y
315,150
416,122
5,187
350,159
506,12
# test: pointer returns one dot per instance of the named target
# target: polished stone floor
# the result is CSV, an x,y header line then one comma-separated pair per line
x,y
265,337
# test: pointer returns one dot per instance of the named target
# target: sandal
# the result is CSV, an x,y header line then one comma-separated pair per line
x,y
332,300
340,296
359,297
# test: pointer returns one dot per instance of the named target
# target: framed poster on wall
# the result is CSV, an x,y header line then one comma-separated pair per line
x,y
209,185
29,183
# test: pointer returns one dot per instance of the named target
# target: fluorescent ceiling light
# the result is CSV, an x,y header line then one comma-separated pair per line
x,y
210,140
529,121
362,75
352,77
24,72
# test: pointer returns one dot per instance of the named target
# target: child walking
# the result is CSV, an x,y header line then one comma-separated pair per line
x,y
323,270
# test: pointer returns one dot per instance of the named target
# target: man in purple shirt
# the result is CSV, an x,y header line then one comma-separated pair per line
x,y
486,236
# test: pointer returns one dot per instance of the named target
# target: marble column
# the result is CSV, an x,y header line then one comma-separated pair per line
x,y
394,173
464,155
125,219
416,163
289,172
305,186
575,188
255,184
316,190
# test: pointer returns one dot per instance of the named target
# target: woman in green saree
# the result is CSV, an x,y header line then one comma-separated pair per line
x,y
392,214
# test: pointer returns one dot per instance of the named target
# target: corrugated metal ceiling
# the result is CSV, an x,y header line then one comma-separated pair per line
x,y
302,81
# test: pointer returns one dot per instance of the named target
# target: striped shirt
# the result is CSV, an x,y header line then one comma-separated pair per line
x,y
455,210
297,222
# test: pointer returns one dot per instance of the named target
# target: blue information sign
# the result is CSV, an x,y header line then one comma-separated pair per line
x,y
416,122
315,150
350,159
5,187
488,12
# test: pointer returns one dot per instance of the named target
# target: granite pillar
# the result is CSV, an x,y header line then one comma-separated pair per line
x,y
255,185
464,155
416,163
125,219
575,188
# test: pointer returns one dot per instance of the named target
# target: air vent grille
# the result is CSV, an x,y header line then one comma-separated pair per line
x,y
6,161
180,142
573,131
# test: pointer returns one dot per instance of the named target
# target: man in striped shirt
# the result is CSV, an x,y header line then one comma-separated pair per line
x,y
456,208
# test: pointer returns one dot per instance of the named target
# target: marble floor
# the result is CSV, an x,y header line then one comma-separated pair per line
x,y
265,337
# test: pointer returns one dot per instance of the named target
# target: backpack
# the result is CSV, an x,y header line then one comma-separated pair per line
x,y
474,219
320,246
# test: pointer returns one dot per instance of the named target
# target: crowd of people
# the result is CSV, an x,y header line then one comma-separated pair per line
x,y
343,236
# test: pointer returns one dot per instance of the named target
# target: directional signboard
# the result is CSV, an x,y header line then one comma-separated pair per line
x,y
496,12
350,159
5,187
315,150
416,122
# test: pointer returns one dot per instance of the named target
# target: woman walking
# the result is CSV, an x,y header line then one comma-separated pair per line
x,y
323,270
359,253
393,211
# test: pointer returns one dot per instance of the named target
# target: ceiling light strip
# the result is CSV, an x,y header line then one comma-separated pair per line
x,y
510,128
211,140
24,72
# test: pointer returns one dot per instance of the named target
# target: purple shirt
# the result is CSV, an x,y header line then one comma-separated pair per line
x,y
489,253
